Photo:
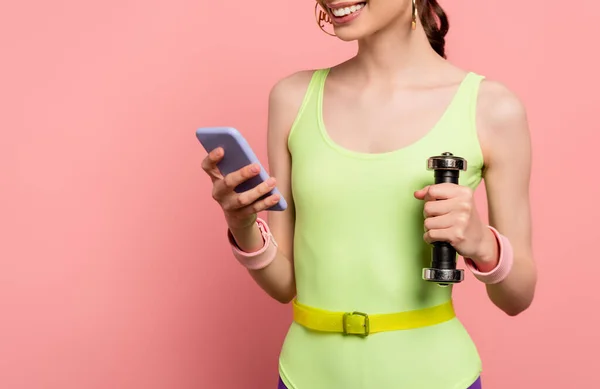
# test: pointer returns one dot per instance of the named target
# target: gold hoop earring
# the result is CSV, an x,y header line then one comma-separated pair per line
x,y
322,18
414,15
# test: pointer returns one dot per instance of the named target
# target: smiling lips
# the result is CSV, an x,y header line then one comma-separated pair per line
x,y
345,12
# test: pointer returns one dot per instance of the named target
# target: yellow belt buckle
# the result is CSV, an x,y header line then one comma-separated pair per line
x,y
366,324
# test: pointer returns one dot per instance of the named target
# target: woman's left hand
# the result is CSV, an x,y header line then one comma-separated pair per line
x,y
451,216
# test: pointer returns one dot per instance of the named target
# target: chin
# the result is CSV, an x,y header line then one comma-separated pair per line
x,y
351,33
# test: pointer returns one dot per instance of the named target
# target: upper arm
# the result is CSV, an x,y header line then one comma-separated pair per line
x,y
285,100
505,138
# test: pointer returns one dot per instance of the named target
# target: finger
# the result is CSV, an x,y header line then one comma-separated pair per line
x,y
442,192
209,163
420,194
261,205
250,196
438,208
227,185
441,235
439,222
239,176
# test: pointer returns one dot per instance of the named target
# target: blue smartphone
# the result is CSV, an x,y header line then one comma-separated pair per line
x,y
238,154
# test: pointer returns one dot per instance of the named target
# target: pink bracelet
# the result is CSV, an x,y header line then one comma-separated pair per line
x,y
259,259
505,261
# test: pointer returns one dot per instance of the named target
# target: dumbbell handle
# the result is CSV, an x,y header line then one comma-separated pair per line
x,y
444,255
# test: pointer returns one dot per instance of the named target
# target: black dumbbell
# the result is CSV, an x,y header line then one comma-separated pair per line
x,y
443,269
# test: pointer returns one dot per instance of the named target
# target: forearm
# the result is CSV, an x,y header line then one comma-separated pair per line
x,y
277,278
515,292
248,239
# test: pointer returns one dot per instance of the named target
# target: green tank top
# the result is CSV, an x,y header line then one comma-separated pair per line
x,y
358,246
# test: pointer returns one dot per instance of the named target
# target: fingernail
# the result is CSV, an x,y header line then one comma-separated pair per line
x,y
270,181
255,169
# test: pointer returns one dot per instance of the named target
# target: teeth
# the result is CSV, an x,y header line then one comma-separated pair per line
x,y
340,12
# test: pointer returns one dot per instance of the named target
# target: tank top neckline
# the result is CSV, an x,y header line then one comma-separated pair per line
x,y
387,154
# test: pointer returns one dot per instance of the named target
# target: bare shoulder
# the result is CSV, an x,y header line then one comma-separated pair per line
x,y
501,120
502,125
499,109
290,90
285,100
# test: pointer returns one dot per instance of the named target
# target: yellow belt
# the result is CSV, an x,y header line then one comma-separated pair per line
x,y
362,324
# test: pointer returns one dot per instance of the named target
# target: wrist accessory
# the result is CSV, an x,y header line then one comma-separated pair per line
x,y
259,259
505,261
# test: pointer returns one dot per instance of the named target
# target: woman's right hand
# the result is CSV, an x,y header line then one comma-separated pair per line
x,y
240,209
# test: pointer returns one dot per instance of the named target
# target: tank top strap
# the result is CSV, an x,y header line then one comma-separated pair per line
x,y
318,79
467,96
459,119
315,88
458,129
308,114
473,82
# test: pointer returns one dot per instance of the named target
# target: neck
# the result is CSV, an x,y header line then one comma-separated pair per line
x,y
396,53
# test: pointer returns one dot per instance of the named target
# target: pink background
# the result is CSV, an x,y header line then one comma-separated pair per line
x,y
115,271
